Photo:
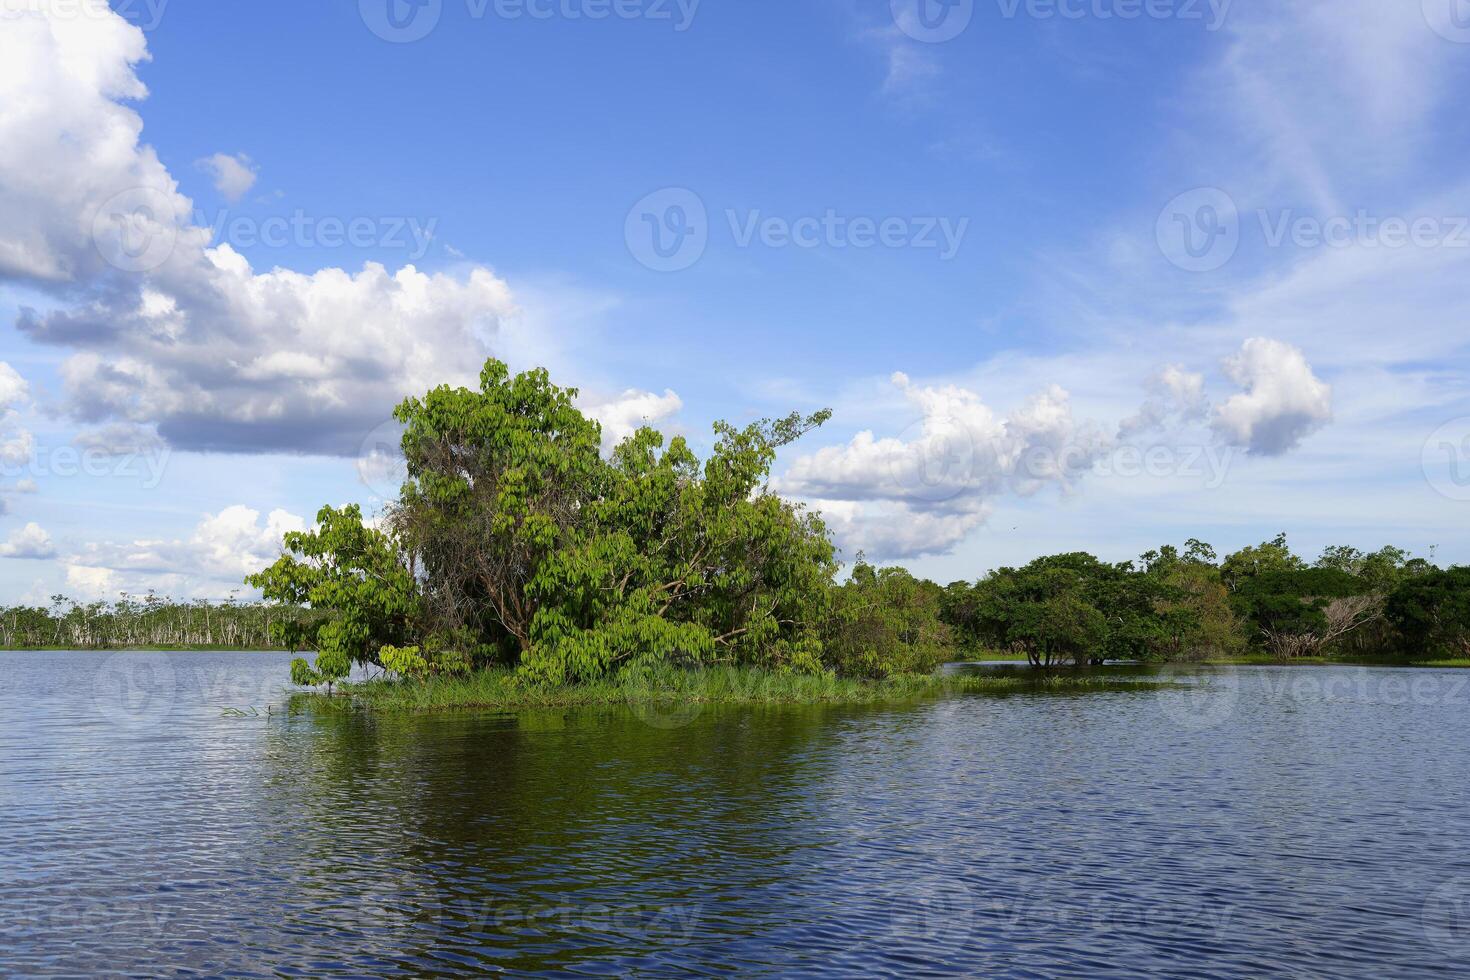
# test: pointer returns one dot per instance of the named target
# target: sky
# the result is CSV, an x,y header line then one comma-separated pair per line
x,y
1072,274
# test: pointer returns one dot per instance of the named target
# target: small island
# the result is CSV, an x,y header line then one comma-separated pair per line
x,y
520,566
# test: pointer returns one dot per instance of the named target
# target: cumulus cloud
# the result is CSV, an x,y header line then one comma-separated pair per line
x,y
626,414
233,175
1282,403
924,490
30,542
213,560
1175,393
16,442
168,330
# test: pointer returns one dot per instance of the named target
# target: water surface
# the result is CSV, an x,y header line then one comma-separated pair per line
x,y
1310,821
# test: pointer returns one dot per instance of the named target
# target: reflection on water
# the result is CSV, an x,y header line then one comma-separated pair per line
x,y
1308,820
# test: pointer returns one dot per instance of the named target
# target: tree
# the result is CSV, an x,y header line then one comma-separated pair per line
x,y
359,578
498,479
684,563
1248,563
1300,611
1431,613
885,622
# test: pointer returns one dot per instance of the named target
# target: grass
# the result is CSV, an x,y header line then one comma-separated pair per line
x,y
500,690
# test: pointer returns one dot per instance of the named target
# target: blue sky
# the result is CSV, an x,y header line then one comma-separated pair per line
x,y
1095,275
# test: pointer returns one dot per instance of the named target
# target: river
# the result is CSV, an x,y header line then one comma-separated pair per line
x,y
162,815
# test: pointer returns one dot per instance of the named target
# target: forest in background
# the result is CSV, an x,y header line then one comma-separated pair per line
x,y
149,621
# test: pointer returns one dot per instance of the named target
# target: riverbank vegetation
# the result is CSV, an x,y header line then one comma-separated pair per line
x,y
669,689
520,563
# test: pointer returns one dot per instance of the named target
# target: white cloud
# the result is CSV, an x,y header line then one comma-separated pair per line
x,y
30,542
174,333
924,490
233,175
1175,392
212,560
89,583
14,389
1283,401
16,442
629,412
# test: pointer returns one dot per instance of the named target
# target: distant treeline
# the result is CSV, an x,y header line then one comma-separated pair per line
x,y
148,621
1174,604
